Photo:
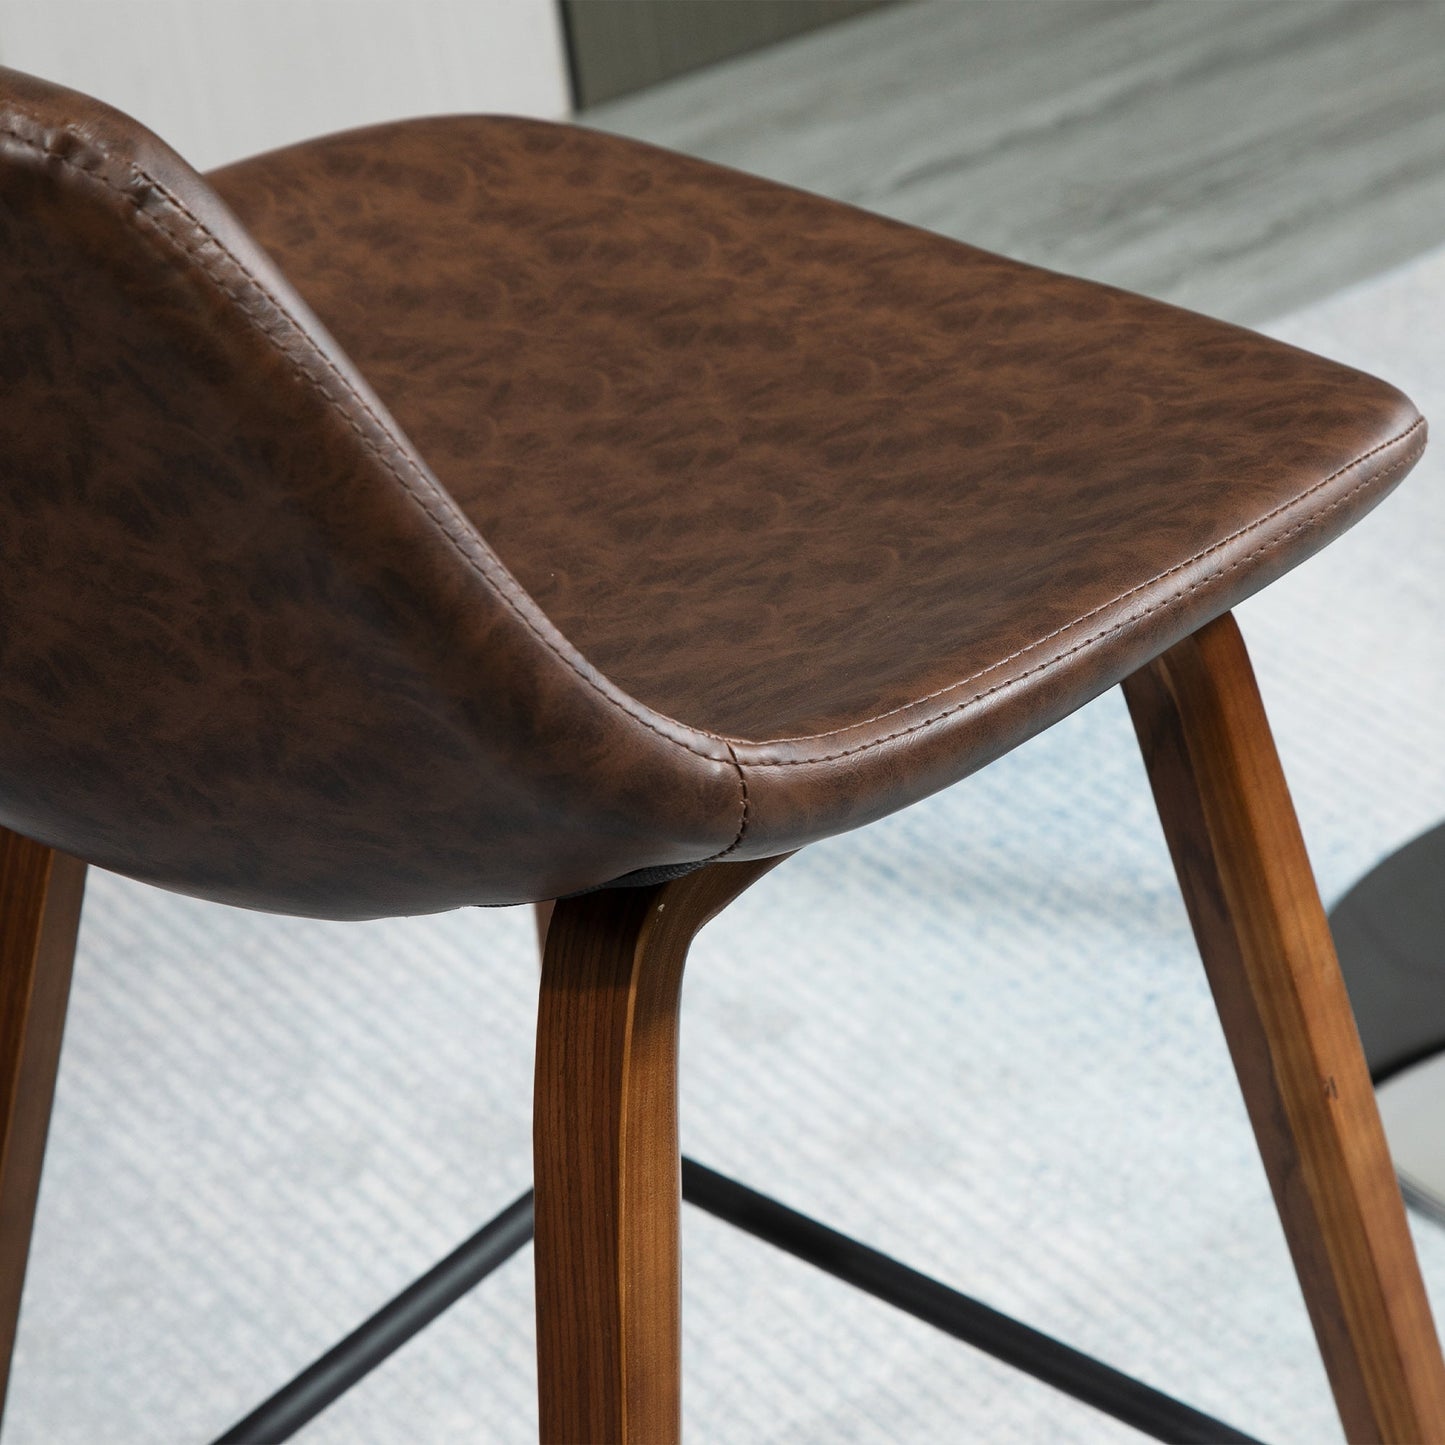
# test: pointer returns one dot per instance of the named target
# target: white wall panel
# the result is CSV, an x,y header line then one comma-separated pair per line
x,y
220,79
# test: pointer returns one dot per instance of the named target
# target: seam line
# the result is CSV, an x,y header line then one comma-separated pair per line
x,y
1094,637
1135,590
743,821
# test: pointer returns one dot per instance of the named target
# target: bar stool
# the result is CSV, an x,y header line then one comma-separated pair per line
x,y
485,511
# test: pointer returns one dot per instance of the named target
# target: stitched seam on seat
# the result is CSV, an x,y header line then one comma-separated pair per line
x,y
743,821
1140,587
498,586
1108,631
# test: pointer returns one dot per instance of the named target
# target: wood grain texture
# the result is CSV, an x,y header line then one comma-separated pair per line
x,y
608,1190
40,897
1271,963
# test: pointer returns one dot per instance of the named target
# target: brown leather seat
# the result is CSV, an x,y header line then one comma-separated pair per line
x,y
758,517
870,505
792,473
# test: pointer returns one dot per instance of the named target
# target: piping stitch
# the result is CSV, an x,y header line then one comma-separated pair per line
x,y
1106,632
743,821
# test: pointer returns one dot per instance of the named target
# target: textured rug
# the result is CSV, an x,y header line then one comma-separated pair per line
x,y
975,1035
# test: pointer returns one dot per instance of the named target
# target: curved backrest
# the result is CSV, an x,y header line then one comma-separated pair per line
x,y
249,648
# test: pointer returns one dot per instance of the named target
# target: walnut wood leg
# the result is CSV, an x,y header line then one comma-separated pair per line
x,y
606,1157
1271,964
40,893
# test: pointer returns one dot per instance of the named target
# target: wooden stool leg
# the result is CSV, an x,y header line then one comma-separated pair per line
x,y
1271,964
606,1157
40,893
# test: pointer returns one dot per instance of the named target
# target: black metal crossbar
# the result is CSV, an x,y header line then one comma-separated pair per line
x,y
330,1377
1066,1369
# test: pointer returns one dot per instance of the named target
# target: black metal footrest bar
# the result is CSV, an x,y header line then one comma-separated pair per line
x,y
330,1377
1026,1349
1066,1369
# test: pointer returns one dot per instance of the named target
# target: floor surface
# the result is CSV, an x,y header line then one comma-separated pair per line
x,y
1238,157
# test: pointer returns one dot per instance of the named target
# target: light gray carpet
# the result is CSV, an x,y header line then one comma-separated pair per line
x,y
976,1035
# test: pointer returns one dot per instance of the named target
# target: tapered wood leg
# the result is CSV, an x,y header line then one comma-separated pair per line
x,y
1271,963
40,893
608,1190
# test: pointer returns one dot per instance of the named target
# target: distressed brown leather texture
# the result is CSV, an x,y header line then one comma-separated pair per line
x,y
678,514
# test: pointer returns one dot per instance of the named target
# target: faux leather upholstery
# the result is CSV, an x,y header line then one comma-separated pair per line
x,y
678,514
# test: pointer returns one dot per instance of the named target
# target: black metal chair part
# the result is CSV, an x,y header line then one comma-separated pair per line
x,y
1066,1369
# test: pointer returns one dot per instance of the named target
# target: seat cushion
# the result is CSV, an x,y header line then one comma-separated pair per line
x,y
868,504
